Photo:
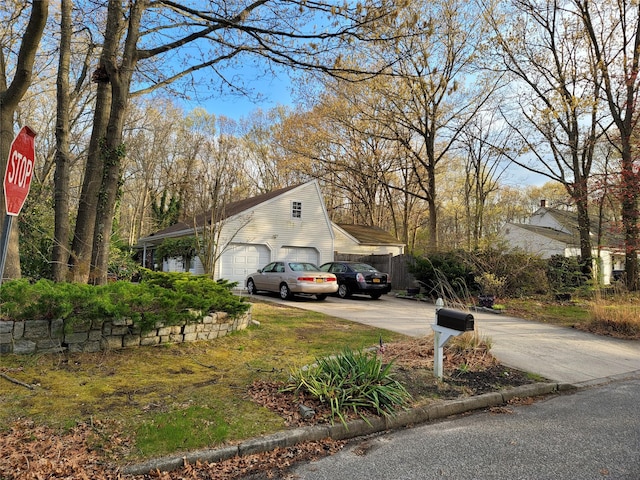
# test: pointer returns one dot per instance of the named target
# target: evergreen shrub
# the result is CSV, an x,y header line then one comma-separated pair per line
x,y
565,274
160,297
491,271
444,274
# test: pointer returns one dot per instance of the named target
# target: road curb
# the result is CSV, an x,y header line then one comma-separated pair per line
x,y
353,429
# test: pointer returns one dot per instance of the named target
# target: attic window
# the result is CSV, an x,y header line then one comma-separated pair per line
x,y
296,210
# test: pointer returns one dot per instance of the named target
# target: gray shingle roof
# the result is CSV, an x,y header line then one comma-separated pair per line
x,y
370,235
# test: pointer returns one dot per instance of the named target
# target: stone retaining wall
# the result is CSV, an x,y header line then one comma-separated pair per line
x,y
47,336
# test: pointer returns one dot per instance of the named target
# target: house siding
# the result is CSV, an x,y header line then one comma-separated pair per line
x,y
270,224
543,218
533,243
545,246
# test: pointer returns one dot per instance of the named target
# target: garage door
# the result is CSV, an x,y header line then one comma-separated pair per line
x,y
239,260
299,254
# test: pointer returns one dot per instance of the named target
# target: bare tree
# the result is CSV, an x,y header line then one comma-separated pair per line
x,y
278,30
434,89
555,92
218,178
613,32
484,144
12,90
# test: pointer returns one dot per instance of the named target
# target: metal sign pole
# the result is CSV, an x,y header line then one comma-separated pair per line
x,y
4,243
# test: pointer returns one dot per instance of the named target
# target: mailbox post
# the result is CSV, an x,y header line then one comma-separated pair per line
x,y
449,323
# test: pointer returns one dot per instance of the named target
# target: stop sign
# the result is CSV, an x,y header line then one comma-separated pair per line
x,y
17,177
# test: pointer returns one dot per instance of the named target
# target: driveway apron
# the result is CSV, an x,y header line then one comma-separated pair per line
x,y
559,354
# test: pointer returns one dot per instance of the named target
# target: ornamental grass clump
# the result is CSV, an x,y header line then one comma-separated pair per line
x,y
352,380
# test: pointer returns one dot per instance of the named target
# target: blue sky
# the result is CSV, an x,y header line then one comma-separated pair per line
x,y
273,92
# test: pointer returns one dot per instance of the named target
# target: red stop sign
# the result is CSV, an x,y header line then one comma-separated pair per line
x,y
17,177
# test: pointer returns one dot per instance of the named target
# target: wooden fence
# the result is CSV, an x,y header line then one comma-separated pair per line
x,y
397,267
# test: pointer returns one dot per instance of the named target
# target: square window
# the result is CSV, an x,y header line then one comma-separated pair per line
x,y
296,209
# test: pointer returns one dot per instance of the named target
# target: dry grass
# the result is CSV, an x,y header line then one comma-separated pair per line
x,y
616,320
616,315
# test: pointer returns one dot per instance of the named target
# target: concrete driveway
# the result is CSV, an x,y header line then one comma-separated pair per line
x,y
560,354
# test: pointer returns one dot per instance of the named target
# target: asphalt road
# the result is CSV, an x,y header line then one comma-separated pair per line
x,y
591,434
560,354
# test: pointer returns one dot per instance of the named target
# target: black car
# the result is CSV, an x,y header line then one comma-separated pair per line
x,y
357,277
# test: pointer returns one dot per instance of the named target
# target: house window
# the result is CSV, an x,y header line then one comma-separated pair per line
x,y
296,210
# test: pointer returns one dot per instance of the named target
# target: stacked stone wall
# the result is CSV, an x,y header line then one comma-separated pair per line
x,y
48,336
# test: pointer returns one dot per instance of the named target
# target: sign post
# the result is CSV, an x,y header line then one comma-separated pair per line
x,y
17,181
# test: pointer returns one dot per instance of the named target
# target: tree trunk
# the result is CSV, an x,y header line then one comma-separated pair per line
x,y
10,96
113,149
81,249
630,195
622,106
60,255
103,141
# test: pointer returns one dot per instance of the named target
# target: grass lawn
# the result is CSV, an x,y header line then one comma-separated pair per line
x,y
176,397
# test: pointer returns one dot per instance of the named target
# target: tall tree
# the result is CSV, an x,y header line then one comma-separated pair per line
x,y
278,30
484,146
12,90
555,92
434,89
613,32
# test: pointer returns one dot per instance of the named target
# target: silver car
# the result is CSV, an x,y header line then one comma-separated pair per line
x,y
288,278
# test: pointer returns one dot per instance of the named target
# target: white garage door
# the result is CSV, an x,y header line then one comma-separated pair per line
x,y
299,254
239,260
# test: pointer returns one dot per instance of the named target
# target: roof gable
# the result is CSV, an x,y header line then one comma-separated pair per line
x,y
562,225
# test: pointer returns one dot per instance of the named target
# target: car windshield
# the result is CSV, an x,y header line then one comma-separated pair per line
x,y
362,267
303,267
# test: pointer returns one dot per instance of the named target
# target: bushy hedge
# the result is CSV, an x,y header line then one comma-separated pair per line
x,y
444,274
565,273
170,298
493,271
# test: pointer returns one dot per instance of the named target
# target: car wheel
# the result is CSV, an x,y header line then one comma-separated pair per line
x,y
343,291
251,287
285,293
376,296
321,296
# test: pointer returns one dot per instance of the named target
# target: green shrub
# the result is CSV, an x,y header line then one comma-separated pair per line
x,y
515,272
166,298
565,273
351,380
444,274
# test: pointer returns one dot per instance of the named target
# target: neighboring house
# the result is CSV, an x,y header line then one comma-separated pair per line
x,y
287,224
550,231
290,223
359,239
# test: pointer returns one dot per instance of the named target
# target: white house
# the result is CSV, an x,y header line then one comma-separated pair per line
x,y
286,224
551,231
290,223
